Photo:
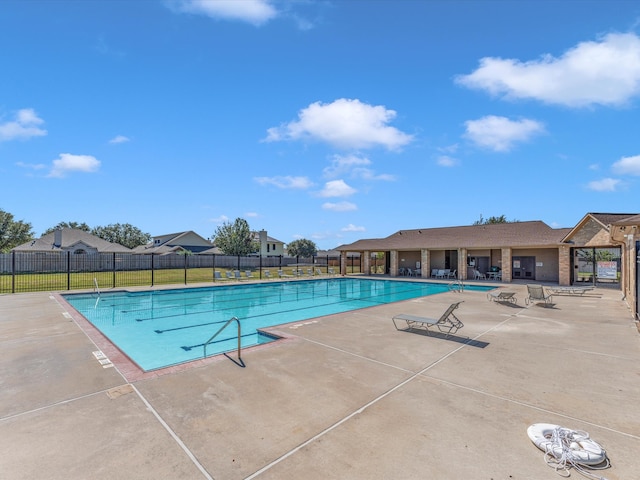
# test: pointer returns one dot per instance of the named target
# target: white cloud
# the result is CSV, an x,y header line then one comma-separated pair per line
x,y
500,133
340,206
604,185
287,182
251,215
627,166
120,139
256,12
67,163
603,72
23,127
344,164
447,161
354,166
344,123
32,166
220,220
337,188
352,228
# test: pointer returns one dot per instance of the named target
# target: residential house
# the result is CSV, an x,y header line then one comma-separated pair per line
x,y
175,243
269,246
71,240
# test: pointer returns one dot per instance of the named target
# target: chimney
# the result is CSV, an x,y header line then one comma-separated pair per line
x,y
262,237
57,238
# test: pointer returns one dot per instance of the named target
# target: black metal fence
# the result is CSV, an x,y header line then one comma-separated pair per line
x,y
44,271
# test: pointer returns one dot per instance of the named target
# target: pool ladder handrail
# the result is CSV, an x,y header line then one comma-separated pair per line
x,y
204,346
456,286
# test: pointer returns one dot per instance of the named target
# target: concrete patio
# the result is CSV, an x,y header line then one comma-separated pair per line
x,y
345,396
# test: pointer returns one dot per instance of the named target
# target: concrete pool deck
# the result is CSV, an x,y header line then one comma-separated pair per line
x,y
345,396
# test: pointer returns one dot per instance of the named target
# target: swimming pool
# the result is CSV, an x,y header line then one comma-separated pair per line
x,y
160,328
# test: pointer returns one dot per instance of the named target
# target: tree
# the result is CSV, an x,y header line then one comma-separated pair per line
x,y
302,248
235,238
492,220
13,232
78,226
125,234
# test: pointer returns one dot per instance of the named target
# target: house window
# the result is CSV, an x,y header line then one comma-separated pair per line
x,y
79,251
274,247
267,248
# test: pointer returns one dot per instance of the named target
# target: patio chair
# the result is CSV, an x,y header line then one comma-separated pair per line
x,y
229,275
434,272
266,274
509,297
248,273
452,273
217,275
281,274
478,275
448,323
536,294
318,271
236,275
331,271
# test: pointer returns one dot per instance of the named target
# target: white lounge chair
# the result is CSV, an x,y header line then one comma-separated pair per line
x,y
496,296
536,294
572,290
448,323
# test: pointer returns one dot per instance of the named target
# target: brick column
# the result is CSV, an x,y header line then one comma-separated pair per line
x,y
506,265
564,265
425,263
462,264
393,263
366,262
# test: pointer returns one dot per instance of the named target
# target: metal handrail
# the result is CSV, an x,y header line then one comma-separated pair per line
x,y
220,330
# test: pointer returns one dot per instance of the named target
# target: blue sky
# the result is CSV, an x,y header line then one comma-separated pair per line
x,y
326,120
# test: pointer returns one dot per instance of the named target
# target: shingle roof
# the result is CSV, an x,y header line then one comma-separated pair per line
x,y
632,220
512,234
69,238
609,218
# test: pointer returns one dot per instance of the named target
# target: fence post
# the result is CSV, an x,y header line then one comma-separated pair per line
x,y
114,269
185,268
13,272
68,270
260,266
152,270
214,267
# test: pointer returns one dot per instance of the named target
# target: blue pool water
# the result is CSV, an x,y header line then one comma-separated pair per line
x,y
156,329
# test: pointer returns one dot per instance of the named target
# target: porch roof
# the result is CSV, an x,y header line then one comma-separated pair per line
x,y
513,234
